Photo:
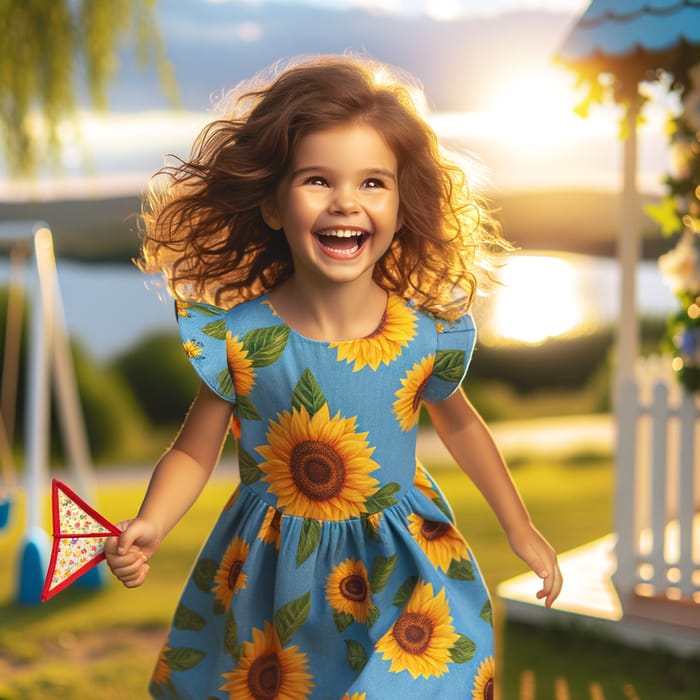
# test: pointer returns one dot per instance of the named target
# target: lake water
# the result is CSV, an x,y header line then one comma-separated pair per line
x,y
110,307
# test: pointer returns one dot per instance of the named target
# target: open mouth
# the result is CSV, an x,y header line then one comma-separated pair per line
x,y
342,241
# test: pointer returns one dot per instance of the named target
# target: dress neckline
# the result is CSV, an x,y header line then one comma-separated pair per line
x,y
265,299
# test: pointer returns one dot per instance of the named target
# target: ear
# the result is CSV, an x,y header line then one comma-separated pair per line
x,y
270,214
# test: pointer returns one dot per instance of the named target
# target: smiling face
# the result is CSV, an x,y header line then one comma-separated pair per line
x,y
338,204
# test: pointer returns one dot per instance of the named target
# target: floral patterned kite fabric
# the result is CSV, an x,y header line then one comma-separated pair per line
x,y
79,536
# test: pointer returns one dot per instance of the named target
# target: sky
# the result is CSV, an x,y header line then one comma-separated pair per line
x,y
488,73
437,9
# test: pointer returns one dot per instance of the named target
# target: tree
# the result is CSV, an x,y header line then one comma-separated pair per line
x,y
50,48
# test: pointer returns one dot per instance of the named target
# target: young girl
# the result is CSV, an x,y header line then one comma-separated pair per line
x,y
345,248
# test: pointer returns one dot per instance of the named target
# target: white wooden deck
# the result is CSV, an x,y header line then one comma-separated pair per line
x,y
589,601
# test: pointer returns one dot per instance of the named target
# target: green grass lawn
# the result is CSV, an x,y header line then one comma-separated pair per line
x,y
102,644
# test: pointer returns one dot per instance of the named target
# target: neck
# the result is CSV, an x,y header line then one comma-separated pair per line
x,y
336,312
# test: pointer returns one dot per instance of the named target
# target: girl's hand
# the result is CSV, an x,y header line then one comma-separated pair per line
x,y
529,544
127,555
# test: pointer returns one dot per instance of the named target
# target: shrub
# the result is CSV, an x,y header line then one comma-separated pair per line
x,y
161,378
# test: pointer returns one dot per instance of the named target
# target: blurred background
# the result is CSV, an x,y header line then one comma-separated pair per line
x,y
110,89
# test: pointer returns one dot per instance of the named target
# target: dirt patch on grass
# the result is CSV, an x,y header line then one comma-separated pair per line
x,y
79,649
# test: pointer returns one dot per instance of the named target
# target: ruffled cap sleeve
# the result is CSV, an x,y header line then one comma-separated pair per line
x,y
453,353
203,334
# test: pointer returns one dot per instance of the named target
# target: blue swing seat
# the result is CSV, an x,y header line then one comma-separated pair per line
x,y
5,507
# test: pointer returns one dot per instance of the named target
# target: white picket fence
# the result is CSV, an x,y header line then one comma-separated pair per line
x,y
657,507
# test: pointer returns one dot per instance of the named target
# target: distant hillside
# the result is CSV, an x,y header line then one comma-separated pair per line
x,y
101,230
104,230
572,221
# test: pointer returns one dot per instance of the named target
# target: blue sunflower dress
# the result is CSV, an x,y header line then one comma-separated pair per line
x,y
335,571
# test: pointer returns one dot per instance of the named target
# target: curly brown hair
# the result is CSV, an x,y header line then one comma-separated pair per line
x,y
202,223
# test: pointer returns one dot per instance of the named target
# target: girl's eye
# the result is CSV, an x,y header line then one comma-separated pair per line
x,y
316,180
374,183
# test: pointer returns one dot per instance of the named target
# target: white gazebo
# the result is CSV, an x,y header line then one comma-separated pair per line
x,y
640,584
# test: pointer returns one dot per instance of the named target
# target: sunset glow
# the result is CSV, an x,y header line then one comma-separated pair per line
x,y
539,299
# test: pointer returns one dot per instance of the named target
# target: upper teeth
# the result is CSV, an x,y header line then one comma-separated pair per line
x,y
341,233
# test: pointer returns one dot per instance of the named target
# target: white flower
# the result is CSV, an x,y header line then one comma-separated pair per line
x,y
681,266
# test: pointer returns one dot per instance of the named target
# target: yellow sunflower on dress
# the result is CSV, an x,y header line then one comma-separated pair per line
x,y
423,483
182,308
440,541
230,578
193,348
396,330
240,365
318,466
421,638
354,696
271,528
347,590
483,682
407,404
161,673
266,670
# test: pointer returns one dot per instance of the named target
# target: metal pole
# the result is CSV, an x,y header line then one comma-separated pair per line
x,y
36,545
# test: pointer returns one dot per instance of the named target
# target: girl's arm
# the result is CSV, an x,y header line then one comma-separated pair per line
x,y
471,444
178,479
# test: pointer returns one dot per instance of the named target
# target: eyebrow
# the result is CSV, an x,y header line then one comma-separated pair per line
x,y
365,173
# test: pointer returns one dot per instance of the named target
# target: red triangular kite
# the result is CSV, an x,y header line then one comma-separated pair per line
x,y
79,535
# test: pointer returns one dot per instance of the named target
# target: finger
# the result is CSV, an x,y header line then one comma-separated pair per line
x,y
552,587
111,545
556,587
138,579
129,569
127,539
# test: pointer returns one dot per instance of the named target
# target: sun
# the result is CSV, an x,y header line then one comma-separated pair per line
x,y
540,299
533,105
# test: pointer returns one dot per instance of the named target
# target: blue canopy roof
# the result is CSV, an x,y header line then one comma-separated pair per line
x,y
618,30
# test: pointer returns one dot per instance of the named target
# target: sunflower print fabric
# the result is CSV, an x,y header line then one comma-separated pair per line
x,y
335,570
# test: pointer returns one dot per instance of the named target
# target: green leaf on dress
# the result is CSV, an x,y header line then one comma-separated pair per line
x,y
265,345
217,607
246,409
487,613
231,635
290,617
224,382
248,468
204,309
463,650
355,655
373,616
307,393
183,658
371,531
382,568
186,619
384,498
204,573
449,365
216,329
442,505
342,620
403,595
461,570
308,539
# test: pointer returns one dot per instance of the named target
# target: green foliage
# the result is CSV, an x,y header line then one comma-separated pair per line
x,y
43,45
160,376
583,658
114,421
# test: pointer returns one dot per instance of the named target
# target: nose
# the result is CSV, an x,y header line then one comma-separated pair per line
x,y
344,201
